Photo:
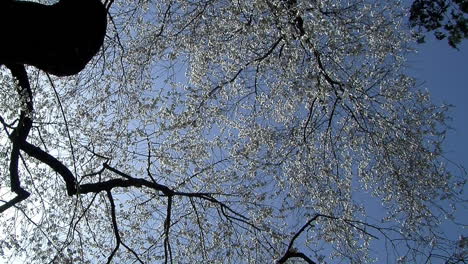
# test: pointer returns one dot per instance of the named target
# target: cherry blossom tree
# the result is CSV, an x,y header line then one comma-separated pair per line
x,y
217,131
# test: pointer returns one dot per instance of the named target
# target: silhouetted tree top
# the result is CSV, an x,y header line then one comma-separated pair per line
x,y
446,18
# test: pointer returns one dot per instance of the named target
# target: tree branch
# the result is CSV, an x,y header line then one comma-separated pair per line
x,y
290,254
290,251
19,134
167,226
54,163
118,241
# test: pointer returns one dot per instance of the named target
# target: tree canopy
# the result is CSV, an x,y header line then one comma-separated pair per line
x,y
216,131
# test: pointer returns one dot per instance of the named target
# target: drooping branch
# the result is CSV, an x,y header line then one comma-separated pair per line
x,y
167,226
114,226
54,163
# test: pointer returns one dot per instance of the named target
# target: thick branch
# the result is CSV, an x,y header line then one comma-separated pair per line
x,y
115,227
108,185
19,135
167,226
53,163
21,195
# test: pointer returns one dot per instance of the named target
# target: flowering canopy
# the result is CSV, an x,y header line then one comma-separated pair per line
x,y
218,131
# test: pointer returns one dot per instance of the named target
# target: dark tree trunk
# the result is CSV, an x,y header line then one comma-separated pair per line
x,y
59,39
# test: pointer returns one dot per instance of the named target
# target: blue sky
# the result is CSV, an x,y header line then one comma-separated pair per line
x,y
444,72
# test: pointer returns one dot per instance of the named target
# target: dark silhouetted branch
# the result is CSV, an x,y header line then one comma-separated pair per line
x,y
290,254
53,163
167,226
19,134
114,226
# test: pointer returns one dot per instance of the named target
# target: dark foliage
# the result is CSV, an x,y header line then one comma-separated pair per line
x,y
446,18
